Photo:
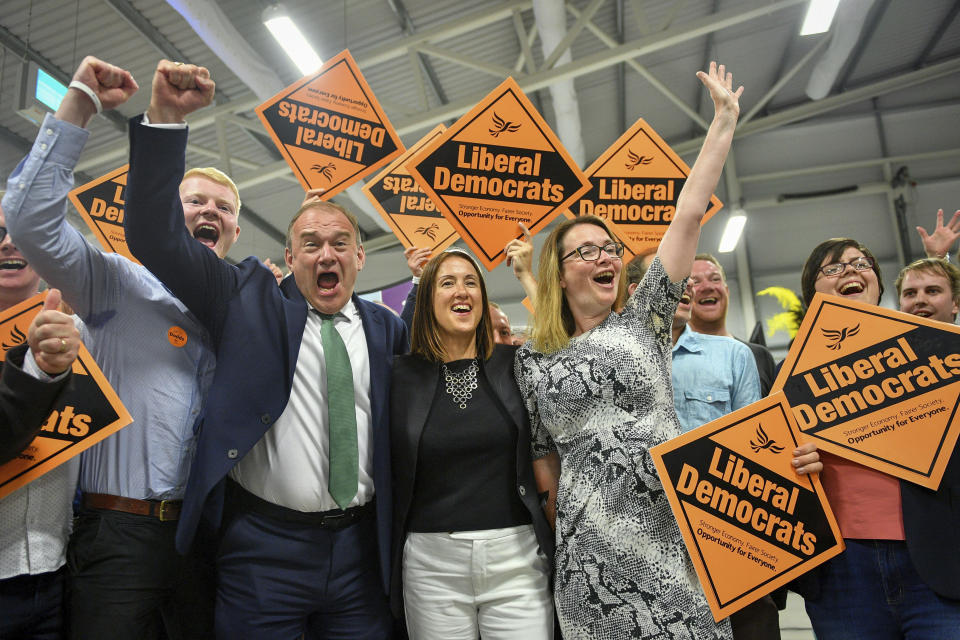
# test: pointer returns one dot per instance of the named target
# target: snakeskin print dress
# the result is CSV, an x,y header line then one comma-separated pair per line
x,y
622,570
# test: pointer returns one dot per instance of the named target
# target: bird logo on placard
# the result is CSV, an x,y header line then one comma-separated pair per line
x,y
16,337
839,336
430,232
635,160
502,126
764,442
326,170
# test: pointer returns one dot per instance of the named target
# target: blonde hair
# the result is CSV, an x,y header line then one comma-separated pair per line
x,y
215,175
553,323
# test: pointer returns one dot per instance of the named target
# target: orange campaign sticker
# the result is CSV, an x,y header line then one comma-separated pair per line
x,y
412,214
177,336
85,413
101,205
876,386
750,522
330,128
635,184
498,165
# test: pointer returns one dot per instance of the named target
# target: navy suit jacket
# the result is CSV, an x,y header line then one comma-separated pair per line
x,y
256,328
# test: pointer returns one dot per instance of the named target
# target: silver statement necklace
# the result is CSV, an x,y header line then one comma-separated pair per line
x,y
460,385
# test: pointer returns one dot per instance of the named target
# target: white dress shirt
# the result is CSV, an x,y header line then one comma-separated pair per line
x,y
289,466
35,520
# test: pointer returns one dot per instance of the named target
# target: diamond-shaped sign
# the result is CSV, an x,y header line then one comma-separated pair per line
x,y
412,214
330,128
750,522
85,413
100,204
634,185
498,165
876,386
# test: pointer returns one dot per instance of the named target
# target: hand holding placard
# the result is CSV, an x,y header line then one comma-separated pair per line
x,y
417,258
179,89
111,85
520,256
53,338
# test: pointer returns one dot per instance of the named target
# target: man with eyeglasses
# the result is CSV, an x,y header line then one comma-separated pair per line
x,y
711,376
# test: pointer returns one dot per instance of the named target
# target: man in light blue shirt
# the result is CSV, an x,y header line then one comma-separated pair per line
x,y
127,581
713,375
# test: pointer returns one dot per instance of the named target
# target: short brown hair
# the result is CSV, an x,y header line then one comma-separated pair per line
x,y
831,250
425,333
320,204
709,257
936,266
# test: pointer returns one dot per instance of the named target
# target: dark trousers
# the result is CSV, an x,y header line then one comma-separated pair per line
x,y
758,620
280,580
31,607
128,581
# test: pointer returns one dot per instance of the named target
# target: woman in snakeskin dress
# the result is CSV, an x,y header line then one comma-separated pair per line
x,y
597,386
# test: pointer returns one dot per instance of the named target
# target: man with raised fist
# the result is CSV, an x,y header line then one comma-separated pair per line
x,y
127,580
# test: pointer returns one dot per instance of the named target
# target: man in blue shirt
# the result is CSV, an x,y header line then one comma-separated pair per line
x,y
713,375
127,581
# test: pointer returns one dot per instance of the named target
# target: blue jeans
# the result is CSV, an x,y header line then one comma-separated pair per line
x,y
872,592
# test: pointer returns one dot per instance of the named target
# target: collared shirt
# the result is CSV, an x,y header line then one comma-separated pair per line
x,y
289,465
35,519
712,376
134,328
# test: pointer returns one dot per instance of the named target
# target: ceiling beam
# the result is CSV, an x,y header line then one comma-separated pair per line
x,y
409,28
873,21
813,108
152,35
645,74
934,40
603,59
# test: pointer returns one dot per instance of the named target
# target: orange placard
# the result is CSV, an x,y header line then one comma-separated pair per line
x,y
330,128
412,214
86,413
100,204
498,165
876,386
635,184
750,522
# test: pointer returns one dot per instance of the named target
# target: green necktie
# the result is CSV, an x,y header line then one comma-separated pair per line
x,y
341,415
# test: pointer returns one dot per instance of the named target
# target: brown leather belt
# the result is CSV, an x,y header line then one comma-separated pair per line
x,y
164,510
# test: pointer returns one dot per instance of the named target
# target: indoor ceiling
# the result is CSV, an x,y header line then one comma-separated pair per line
x,y
804,169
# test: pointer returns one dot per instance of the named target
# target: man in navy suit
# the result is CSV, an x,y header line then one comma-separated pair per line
x,y
293,559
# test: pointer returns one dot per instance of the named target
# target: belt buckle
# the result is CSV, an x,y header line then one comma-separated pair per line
x,y
333,520
162,515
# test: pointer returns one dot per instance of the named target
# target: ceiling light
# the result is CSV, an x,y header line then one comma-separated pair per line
x,y
288,35
731,233
819,16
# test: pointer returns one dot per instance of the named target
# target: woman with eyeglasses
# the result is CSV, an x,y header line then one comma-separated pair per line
x,y
597,387
473,548
875,589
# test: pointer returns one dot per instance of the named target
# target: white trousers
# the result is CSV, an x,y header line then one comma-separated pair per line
x,y
464,585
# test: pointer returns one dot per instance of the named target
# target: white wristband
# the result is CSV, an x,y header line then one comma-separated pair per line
x,y
79,86
415,279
